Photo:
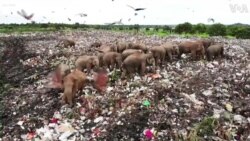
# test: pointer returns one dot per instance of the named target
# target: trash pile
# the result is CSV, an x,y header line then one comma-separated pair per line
x,y
184,100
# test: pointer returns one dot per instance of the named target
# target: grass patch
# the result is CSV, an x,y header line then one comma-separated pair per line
x,y
162,33
115,76
159,33
230,37
204,128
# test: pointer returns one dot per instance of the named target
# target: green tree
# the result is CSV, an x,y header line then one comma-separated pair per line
x,y
156,28
121,27
58,26
44,25
76,25
217,30
243,33
147,28
166,28
200,28
137,27
183,28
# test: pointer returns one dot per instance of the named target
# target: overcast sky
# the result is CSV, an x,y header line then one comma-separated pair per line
x,y
159,12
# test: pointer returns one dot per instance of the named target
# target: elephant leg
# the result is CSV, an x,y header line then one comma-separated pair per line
x,y
209,56
105,65
179,55
169,54
81,85
123,75
112,64
64,99
88,67
193,54
222,52
143,68
70,99
163,59
158,61
130,71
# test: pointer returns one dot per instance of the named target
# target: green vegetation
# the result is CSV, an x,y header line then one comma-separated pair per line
x,y
199,28
115,76
185,29
217,30
205,128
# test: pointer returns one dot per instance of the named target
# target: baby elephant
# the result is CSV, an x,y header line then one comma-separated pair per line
x,y
171,49
128,52
214,51
66,43
86,61
136,62
159,53
111,59
73,83
195,48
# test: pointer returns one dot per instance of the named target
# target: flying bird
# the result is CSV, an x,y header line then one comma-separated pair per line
x,y
119,22
210,20
82,15
69,19
136,9
25,15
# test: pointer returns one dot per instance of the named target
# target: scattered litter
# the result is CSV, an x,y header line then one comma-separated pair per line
x,y
175,100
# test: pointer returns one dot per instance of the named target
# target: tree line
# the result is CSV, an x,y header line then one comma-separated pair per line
x,y
241,31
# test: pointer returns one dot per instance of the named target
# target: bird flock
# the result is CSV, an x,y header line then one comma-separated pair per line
x,y
29,17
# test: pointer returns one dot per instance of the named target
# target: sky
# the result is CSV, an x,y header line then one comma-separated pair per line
x,y
157,12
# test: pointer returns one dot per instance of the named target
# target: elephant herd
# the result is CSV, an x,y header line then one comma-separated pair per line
x,y
134,57
130,58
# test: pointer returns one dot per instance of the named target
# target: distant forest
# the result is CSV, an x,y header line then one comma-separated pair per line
x,y
237,30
